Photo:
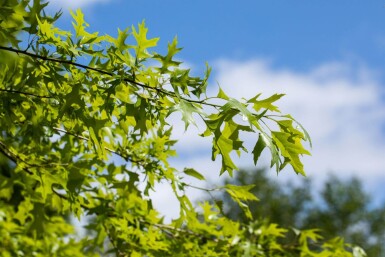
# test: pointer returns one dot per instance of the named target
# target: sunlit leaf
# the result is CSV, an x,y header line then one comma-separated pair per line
x,y
193,173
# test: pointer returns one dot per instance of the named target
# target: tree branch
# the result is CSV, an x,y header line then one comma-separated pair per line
x,y
16,159
159,90
23,93
13,157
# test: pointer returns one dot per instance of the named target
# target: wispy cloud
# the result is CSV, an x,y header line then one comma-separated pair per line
x,y
339,105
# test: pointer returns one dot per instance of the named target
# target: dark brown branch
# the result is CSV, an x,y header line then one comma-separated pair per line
x,y
13,157
70,133
159,90
24,93
16,159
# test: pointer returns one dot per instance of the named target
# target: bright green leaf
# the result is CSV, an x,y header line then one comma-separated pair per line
x,y
193,173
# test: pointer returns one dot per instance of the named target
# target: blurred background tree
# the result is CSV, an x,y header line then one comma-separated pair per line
x,y
341,208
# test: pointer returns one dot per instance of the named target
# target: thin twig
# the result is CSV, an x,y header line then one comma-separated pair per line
x,y
106,148
204,189
165,228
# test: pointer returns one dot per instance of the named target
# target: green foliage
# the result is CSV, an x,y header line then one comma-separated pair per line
x,y
85,132
241,194
342,209
355,217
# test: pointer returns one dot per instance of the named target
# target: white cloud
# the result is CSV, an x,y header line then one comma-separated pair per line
x,y
340,106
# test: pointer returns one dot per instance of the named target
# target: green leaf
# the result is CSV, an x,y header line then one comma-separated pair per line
x,y
290,147
240,194
181,81
24,211
50,34
187,109
307,136
236,105
265,103
222,94
201,86
226,141
95,139
79,24
167,61
274,230
259,146
224,146
313,234
142,42
193,173
121,39
268,142
286,126
6,187
39,221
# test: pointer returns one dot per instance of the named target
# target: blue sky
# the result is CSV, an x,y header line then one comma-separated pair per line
x,y
327,56
295,34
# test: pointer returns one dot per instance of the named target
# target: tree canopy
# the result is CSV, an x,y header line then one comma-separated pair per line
x,y
85,132
341,208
